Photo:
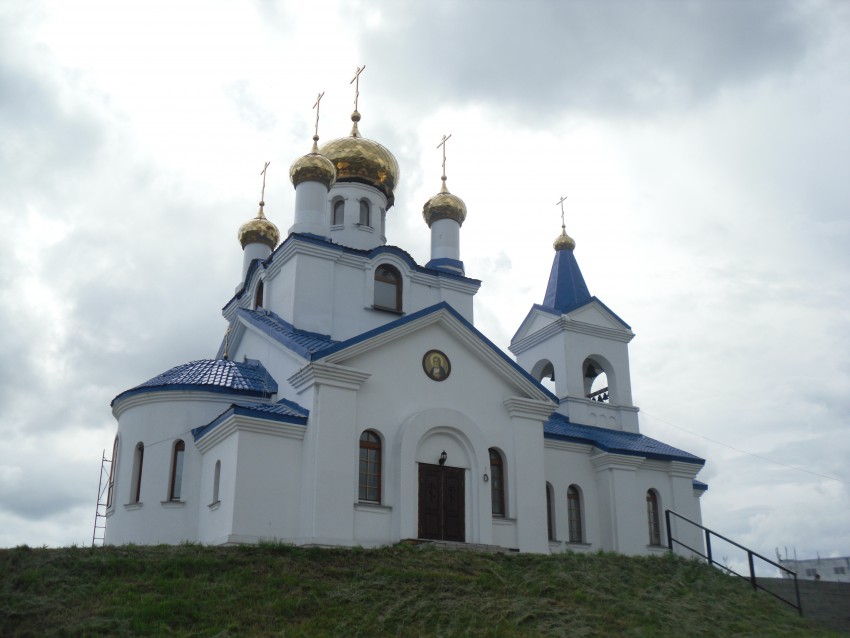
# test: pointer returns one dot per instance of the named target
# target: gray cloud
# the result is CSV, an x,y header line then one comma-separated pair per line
x,y
603,57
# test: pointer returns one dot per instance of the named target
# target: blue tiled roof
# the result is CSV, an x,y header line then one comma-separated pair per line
x,y
566,287
283,411
560,427
699,485
212,375
300,341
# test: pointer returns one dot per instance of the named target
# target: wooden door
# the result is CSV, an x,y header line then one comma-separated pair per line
x,y
442,514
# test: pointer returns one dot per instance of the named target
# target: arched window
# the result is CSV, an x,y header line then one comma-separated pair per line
x,y
365,213
574,514
550,514
111,488
216,481
338,218
369,483
497,482
652,518
177,457
258,297
387,288
136,483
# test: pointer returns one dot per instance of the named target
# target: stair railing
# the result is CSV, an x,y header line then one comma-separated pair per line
x,y
751,555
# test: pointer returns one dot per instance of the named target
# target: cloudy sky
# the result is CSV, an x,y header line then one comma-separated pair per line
x,y
703,147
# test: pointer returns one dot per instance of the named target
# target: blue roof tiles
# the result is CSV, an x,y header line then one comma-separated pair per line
x,y
212,375
302,342
283,411
615,441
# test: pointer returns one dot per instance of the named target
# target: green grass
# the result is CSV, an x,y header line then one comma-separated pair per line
x,y
279,590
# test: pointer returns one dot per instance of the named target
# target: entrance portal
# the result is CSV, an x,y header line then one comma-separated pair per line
x,y
441,502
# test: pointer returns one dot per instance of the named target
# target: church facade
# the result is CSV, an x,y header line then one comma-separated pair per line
x,y
352,400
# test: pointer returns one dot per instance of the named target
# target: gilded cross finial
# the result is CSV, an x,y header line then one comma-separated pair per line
x,y
356,79
263,192
316,106
443,145
561,202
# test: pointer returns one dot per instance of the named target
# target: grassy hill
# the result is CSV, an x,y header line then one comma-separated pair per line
x,y
277,590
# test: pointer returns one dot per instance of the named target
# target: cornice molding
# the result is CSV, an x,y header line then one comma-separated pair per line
x,y
607,461
241,423
567,446
167,396
520,407
331,374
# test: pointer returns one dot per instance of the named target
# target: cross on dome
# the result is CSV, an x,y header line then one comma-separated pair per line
x,y
356,79
561,202
563,241
443,145
316,129
263,191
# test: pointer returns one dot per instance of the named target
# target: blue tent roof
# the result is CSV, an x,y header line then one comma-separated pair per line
x,y
213,375
615,441
566,288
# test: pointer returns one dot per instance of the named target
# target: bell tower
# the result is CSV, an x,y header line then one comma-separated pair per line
x,y
575,341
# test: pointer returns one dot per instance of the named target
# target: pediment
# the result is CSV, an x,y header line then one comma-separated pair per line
x,y
401,347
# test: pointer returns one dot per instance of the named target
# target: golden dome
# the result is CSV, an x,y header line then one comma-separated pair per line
x,y
313,167
259,230
564,241
444,205
358,159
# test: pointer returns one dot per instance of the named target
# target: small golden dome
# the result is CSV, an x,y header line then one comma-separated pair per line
x,y
259,230
444,205
313,167
564,242
358,159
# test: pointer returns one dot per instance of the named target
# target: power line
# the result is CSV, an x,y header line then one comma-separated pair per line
x,y
737,449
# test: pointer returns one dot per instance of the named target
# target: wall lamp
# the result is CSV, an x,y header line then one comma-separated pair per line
x,y
443,458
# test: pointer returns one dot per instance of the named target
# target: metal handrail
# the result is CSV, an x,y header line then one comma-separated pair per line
x,y
750,555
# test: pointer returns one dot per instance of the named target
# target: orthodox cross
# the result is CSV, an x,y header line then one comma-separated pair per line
x,y
561,202
356,78
316,106
263,192
443,144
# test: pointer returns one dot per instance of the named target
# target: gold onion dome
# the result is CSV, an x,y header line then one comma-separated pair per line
x,y
444,205
313,167
259,230
358,159
564,241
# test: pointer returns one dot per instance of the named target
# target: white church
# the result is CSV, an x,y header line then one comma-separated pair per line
x,y
353,402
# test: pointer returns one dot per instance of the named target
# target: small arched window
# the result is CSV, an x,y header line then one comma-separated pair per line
x,y
365,213
369,482
387,288
258,296
338,218
550,514
216,481
652,518
574,514
136,483
111,489
176,484
497,483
